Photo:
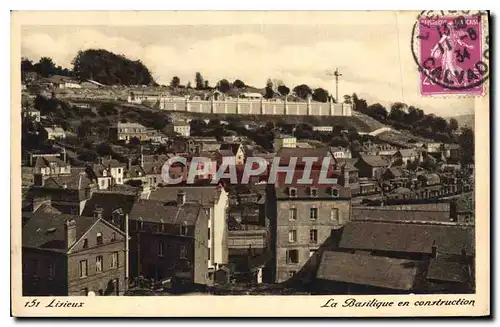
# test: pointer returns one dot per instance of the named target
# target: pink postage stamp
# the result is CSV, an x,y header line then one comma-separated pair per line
x,y
452,54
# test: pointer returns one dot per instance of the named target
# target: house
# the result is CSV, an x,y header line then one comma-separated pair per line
x,y
394,173
251,95
65,255
340,152
63,82
236,149
51,165
452,152
284,141
215,202
53,133
107,173
324,129
180,127
405,156
371,166
170,240
67,193
141,96
127,131
429,179
306,218
433,147
32,113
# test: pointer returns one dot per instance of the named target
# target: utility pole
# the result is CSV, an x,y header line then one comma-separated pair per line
x,y
337,75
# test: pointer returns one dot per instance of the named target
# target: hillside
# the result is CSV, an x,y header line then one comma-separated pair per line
x,y
465,120
108,68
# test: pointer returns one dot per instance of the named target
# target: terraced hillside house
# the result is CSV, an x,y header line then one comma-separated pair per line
x,y
127,131
215,202
304,221
67,255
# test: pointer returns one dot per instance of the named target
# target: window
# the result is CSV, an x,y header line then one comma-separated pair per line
x,y
83,268
86,243
102,182
119,170
160,248
182,250
292,236
314,192
113,237
314,213
209,253
114,260
293,214
184,230
335,192
313,236
292,192
209,233
51,271
84,291
98,263
291,273
292,256
334,215
99,238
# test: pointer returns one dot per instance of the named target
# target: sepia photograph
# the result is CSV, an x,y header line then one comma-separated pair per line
x,y
321,161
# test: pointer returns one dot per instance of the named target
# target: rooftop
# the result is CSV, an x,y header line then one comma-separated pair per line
x,y
397,274
159,211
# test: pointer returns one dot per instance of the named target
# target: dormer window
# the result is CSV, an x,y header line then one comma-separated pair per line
x,y
313,192
184,229
99,238
292,192
334,192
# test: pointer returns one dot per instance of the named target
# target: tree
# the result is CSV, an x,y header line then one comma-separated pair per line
x,y
238,84
453,124
397,112
377,111
302,91
109,68
45,67
223,85
27,65
199,81
359,104
207,85
175,82
269,92
320,95
283,90
188,86
466,142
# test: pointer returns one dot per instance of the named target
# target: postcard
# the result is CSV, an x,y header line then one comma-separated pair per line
x,y
250,164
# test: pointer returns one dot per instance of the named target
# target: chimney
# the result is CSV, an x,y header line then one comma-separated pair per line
x,y
344,176
38,179
142,159
181,198
64,155
434,253
129,166
70,230
98,213
453,211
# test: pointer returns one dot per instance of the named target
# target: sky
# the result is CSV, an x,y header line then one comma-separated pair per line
x,y
371,50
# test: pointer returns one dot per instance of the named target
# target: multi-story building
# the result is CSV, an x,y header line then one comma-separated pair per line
x,y
107,173
67,193
170,240
181,127
53,133
65,255
340,152
215,202
127,131
51,165
32,113
284,141
304,220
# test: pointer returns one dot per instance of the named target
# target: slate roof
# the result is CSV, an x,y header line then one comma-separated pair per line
x,y
158,211
45,161
360,213
408,153
374,161
448,271
204,195
286,153
282,193
77,181
46,231
397,274
108,202
405,237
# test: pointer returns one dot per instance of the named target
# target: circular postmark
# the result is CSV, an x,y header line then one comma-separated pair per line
x,y
451,51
